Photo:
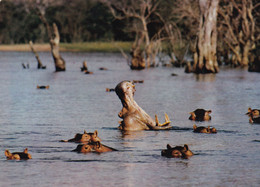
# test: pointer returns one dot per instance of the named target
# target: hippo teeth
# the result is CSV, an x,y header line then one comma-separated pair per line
x,y
167,121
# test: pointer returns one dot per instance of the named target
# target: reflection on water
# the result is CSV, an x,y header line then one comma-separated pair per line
x,y
206,77
38,119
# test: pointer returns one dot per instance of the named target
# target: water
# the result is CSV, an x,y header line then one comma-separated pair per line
x,y
38,119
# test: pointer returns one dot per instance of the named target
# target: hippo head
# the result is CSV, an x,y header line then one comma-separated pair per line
x,y
94,137
84,148
171,152
186,152
125,89
253,113
207,117
18,155
200,115
134,117
177,152
213,130
87,137
202,129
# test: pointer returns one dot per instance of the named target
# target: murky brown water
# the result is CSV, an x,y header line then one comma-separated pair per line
x,y
38,119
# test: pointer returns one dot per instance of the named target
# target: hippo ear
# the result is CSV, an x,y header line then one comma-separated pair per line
x,y
25,150
249,111
168,146
7,153
96,133
186,147
85,132
209,111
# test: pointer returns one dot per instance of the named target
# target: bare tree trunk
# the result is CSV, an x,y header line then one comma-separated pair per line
x,y
240,30
84,66
207,38
141,13
40,66
55,50
245,55
54,38
137,61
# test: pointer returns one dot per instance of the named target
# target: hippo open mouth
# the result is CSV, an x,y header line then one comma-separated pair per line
x,y
134,117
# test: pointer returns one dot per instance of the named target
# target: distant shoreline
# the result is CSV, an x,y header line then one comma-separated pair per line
x,y
24,47
77,47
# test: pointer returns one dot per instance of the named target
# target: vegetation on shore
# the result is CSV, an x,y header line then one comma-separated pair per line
x,y
172,28
80,47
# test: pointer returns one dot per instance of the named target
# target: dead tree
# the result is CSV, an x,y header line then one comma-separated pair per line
x,y
239,29
54,39
140,11
40,66
205,59
84,66
137,60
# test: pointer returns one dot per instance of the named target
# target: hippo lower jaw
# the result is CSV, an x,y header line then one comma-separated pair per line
x,y
144,125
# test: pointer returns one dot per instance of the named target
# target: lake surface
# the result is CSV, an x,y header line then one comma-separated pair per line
x,y
75,102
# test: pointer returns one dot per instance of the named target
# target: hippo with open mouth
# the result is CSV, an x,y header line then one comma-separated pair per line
x,y
134,117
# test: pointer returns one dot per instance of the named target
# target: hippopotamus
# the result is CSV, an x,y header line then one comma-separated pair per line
x,y
103,68
18,155
253,112
254,120
84,66
94,147
138,81
88,72
177,152
134,117
254,115
202,129
110,89
43,87
84,138
200,115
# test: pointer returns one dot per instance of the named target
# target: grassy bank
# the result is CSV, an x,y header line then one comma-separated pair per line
x,y
82,47
97,46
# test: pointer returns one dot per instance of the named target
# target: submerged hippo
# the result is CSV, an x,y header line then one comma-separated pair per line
x,y
42,87
200,115
134,117
254,120
253,112
177,152
202,129
84,138
18,155
254,115
96,147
